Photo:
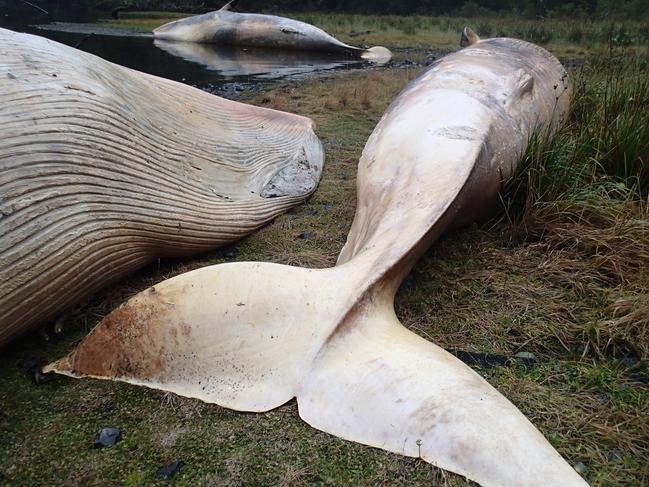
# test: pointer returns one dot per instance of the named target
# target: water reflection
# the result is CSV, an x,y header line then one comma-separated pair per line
x,y
232,62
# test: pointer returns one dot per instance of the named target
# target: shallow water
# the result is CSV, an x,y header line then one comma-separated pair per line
x,y
195,64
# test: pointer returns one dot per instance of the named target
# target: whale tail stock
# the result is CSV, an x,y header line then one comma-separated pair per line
x,y
245,336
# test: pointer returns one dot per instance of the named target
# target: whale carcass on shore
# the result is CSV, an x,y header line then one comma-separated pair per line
x,y
103,169
330,337
258,30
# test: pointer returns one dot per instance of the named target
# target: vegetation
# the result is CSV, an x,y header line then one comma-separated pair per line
x,y
561,272
527,8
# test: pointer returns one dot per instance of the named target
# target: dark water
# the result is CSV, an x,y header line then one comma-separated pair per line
x,y
195,64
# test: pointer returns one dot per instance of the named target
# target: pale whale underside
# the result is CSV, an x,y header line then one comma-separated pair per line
x,y
330,337
226,27
103,169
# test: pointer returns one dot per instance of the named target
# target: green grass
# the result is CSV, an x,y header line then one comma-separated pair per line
x,y
561,272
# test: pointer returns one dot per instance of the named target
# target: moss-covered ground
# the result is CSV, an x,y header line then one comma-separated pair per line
x,y
557,273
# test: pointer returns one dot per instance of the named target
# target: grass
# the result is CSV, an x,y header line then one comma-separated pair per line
x,y
561,272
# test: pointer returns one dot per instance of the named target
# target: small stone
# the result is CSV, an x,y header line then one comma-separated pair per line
x,y
615,456
107,437
34,368
527,356
39,378
231,254
329,207
306,235
169,471
602,397
580,468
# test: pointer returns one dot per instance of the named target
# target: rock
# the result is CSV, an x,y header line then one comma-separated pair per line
x,y
107,437
169,471
479,359
305,235
526,357
638,377
615,456
580,468
231,253
38,377
34,368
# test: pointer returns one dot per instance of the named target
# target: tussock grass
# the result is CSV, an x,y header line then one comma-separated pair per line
x,y
581,196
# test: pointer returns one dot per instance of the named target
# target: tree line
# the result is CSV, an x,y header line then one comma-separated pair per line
x,y
525,8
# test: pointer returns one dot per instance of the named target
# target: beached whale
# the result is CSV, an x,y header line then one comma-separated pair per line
x,y
103,169
257,30
330,337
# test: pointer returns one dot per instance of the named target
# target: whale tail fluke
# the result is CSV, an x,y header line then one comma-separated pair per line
x,y
239,335
379,384
377,54
252,336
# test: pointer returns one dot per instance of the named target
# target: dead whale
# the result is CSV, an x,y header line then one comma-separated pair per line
x,y
257,30
103,169
330,337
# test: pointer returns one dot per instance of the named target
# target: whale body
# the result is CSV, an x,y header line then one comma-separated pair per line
x,y
104,169
330,337
226,27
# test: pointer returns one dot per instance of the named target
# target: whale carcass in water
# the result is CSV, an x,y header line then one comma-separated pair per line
x,y
330,337
104,169
257,30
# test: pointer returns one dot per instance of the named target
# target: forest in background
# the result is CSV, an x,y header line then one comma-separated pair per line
x,y
527,8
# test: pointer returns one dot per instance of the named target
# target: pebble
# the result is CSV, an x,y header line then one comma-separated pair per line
x,y
526,356
34,368
169,471
306,235
107,437
580,468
